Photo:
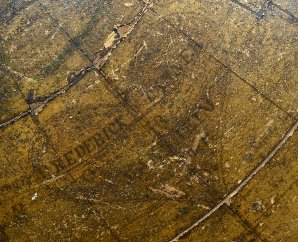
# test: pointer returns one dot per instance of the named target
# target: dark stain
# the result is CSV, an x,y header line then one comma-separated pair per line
x,y
3,235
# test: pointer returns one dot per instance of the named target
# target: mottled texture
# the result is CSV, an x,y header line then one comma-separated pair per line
x,y
261,49
148,120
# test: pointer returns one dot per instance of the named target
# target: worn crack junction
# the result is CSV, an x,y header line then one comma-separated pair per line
x,y
265,8
227,199
114,39
292,18
247,224
119,33
184,158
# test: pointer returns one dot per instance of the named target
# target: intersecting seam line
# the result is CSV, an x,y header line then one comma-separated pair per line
x,y
227,198
226,66
167,146
75,77
243,183
246,223
64,30
89,162
97,64
164,143
244,6
266,8
24,114
294,19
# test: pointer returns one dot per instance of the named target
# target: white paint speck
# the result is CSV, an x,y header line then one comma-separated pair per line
x,y
128,4
149,164
109,181
203,206
34,196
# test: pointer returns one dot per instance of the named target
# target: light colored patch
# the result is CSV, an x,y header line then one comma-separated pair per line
x,y
203,206
149,164
169,191
197,140
34,196
110,40
128,4
124,30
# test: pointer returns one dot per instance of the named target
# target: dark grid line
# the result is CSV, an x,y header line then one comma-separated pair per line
x,y
172,151
225,65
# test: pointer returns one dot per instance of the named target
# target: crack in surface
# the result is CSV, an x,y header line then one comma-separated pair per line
x,y
75,77
244,6
292,18
247,224
120,32
203,182
265,8
260,13
227,199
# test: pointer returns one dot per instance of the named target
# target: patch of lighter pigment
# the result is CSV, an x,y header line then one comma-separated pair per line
x,y
228,198
34,196
169,191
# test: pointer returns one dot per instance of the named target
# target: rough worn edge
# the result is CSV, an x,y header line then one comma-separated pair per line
x,y
39,103
227,198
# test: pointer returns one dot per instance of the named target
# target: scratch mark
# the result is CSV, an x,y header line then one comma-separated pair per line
x,y
228,197
292,18
168,191
245,6
265,8
134,56
119,33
